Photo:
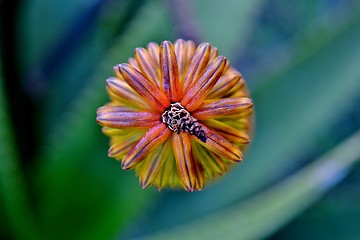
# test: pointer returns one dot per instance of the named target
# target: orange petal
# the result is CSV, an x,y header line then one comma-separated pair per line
x,y
220,145
193,97
151,139
224,84
224,107
213,53
121,117
151,93
147,65
184,160
154,51
170,72
184,51
197,65
190,51
125,94
232,134
181,56
153,164
132,62
122,144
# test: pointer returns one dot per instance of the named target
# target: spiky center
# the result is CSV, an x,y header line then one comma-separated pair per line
x,y
179,119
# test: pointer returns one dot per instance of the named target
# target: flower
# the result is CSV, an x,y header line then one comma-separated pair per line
x,y
179,115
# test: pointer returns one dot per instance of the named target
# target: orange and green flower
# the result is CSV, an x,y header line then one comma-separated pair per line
x,y
178,115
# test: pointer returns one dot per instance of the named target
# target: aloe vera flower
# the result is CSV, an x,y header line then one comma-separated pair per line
x,y
179,115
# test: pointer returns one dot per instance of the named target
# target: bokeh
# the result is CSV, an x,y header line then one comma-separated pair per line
x,y
300,178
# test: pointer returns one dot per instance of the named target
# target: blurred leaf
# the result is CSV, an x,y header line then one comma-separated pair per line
x,y
293,108
75,192
314,34
266,212
75,69
231,19
39,37
12,188
314,90
335,216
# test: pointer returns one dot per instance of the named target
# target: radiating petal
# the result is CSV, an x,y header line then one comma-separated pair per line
x,y
185,160
220,145
151,93
224,107
170,82
168,175
153,164
122,144
238,90
193,97
190,51
121,117
180,48
125,94
151,139
132,62
244,123
197,65
213,54
116,99
213,165
224,84
147,66
184,51
234,135
200,176
116,132
154,51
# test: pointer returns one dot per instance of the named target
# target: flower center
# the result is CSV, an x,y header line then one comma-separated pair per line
x,y
179,119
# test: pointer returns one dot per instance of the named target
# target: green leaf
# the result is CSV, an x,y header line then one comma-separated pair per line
x,y
80,63
38,38
300,104
12,187
334,216
267,211
233,20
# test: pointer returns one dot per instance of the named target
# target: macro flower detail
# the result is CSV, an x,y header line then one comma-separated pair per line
x,y
178,119
179,115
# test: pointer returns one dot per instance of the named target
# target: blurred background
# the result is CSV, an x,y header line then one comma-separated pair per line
x,y
300,178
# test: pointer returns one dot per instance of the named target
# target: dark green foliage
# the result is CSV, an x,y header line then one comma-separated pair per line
x,y
300,60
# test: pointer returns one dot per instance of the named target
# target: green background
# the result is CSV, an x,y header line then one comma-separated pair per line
x,y
300,178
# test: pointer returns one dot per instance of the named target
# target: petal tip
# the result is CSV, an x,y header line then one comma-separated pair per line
x,y
189,188
167,42
111,152
116,67
239,157
125,165
109,81
122,66
144,184
98,120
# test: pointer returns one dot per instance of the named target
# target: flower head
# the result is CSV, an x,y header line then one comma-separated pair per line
x,y
179,115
